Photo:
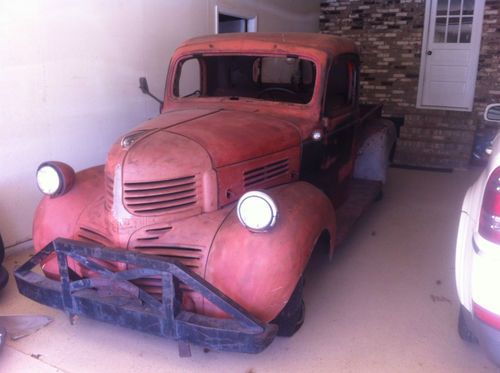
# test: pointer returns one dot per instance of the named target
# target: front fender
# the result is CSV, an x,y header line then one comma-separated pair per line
x,y
57,217
260,270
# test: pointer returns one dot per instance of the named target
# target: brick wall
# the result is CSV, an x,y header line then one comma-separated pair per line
x,y
389,34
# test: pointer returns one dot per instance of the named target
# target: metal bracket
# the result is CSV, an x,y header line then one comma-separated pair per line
x,y
135,308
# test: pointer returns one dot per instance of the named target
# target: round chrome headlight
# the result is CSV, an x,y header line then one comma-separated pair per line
x,y
54,178
257,211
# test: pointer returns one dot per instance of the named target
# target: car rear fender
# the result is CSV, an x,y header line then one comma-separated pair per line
x,y
463,257
464,252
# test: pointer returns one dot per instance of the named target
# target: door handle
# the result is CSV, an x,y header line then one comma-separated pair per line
x,y
429,53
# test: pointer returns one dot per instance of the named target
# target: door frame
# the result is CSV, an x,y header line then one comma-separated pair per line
x,y
476,47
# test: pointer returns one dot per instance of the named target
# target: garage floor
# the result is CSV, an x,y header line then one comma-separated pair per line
x,y
387,303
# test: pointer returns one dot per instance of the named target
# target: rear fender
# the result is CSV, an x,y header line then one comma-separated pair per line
x,y
378,139
260,270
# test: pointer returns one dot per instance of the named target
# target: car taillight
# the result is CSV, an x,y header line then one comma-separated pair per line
x,y
489,222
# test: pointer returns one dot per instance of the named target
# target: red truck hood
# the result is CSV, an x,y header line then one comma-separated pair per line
x,y
229,136
175,162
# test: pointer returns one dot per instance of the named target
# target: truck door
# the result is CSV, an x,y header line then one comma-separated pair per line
x,y
340,117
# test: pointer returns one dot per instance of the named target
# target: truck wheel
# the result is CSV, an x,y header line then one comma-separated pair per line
x,y
4,277
463,330
2,250
291,317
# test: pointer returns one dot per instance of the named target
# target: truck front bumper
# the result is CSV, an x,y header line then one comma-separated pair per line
x,y
125,304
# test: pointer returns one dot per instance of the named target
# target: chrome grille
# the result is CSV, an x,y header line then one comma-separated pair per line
x,y
188,256
151,242
265,173
161,196
91,235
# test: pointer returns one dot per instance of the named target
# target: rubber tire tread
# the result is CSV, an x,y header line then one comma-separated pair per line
x,y
291,317
4,277
2,250
463,330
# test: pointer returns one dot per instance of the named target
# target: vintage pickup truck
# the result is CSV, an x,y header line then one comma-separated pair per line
x,y
201,222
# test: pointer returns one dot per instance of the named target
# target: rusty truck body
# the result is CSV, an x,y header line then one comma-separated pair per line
x,y
202,220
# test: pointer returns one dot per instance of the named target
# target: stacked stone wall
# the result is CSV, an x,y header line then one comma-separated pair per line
x,y
389,35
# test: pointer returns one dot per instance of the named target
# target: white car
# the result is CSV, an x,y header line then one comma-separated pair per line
x,y
477,263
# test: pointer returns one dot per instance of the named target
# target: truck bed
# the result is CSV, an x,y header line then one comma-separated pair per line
x,y
368,111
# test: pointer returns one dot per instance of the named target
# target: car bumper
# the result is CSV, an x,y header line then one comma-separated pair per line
x,y
112,297
485,277
489,337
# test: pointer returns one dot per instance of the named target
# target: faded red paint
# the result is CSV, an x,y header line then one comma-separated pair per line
x,y
231,137
204,149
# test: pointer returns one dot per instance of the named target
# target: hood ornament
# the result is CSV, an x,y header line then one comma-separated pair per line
x,y
129,139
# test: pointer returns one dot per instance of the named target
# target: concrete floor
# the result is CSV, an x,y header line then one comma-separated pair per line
x,y
387,303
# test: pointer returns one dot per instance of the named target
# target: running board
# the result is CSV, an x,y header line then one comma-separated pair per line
x,y
362,193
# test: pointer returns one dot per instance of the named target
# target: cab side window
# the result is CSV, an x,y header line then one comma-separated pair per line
x,y
341,87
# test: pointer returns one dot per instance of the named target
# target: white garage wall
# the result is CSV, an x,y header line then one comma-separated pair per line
x,y
69,78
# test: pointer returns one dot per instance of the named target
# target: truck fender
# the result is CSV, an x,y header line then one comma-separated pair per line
x,y
260,270
54,219
377,141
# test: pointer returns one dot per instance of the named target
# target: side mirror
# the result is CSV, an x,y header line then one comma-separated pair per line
x,y
492,113
143,86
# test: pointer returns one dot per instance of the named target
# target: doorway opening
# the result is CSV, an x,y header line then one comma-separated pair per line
x,y
226,22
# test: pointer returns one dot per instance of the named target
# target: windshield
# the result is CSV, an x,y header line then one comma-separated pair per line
x,y
283,78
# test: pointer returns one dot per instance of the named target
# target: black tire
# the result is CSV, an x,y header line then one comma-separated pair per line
x,y
3,336
463,330
4,277
291,317
2,250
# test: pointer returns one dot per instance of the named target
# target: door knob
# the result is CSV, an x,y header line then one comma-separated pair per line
x,y
429,53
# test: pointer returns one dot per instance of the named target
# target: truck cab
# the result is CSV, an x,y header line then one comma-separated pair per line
x,y
311,83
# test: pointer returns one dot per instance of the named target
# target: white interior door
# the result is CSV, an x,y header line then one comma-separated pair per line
x,y
450,54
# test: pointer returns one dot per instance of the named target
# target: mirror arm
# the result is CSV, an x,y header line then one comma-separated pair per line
x,y
154,97
143,86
